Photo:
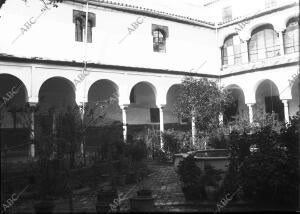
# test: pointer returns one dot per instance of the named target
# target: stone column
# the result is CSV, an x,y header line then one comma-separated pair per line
x,y
193,128
286,110
280,36
82,112
250,112
244,52
124,120
161,124
221,118
32,107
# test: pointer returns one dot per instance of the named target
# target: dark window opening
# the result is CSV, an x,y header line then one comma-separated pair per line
x,y
79,18
159,41
274,104
154,115
230,112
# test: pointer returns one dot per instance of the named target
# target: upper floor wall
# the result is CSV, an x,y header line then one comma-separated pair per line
x,y
260,41
223,11
118,37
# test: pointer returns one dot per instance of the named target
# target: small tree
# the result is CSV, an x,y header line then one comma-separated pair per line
x,y
202,98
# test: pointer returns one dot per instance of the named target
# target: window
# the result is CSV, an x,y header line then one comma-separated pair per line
x,y
160,34
79,20
79,30
264,43
231,50
159,41
154,115
270,3
291,36
227,13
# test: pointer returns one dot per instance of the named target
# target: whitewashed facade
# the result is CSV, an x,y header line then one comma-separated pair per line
x,y
38,49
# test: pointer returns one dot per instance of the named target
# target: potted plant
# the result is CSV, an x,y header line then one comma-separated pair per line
x,y
143,201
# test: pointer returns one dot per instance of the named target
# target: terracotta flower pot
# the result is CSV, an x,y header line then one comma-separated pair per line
x,y
143,202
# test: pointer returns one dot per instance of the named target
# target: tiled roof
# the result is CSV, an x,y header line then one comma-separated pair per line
x,y
187,19
148,11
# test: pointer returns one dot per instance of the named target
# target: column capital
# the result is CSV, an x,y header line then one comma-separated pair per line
x,y
162,106
285,101
33,100
124,106
32,106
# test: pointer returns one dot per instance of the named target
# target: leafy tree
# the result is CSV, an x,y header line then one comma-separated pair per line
x,y
202,98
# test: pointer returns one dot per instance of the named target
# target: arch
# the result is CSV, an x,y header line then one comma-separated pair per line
x,y
231,50
289,17
173,89
264,43
254,24
171,98
103,82
59,96
142,108
13,98
291,36
148,84
14,87
268,99
238,106
99,102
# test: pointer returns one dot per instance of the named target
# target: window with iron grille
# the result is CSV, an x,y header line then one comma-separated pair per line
x,y
291,36
264,43
160,34
236,51
154,115
79,21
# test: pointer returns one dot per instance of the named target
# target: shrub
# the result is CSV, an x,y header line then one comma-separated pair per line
x,y
160,155
137,150
170,142
268,175
195,181
190,176
217,141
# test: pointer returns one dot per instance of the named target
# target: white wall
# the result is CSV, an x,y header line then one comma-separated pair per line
x,y
53,37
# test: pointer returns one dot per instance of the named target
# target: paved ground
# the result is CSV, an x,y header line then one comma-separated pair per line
x,y
163,181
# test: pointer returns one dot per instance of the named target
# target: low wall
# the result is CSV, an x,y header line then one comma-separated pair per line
x,y
221,163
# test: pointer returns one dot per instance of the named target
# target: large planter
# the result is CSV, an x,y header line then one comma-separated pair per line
x,y
44,206
105,197
221,163
143,202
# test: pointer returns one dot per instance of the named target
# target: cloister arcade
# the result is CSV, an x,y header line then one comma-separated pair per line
x,y
144,106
